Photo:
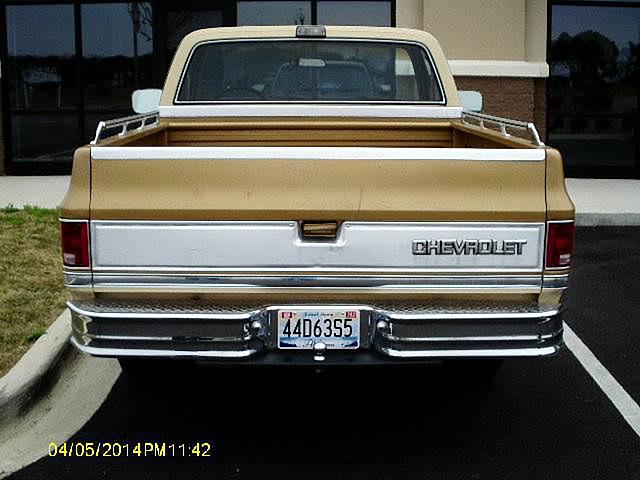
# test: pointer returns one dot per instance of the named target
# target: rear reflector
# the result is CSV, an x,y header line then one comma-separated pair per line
x,y
75,243
559,244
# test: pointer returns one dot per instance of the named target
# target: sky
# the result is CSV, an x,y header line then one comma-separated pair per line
x,y
620,24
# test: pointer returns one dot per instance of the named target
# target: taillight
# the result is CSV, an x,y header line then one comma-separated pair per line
x,y
559,244
75,243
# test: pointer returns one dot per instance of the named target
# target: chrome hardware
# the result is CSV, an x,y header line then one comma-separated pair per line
x,y
274,246
502,124
256,326
423,330
382,326
555,281
322,230
319,350
124,123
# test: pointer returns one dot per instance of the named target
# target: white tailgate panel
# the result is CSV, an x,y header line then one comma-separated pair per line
x,y
138,245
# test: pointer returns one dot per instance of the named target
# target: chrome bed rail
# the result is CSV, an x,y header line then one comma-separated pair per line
x,y
133,123
502,124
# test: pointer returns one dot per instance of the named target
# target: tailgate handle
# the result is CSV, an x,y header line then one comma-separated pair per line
x,y
312,229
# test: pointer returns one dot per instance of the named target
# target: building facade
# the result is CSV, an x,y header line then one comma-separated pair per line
x,y
571,67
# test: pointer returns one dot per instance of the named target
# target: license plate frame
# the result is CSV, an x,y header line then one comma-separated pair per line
x,y
302,322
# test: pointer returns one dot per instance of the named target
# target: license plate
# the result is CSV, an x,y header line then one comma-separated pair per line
x,y
302,329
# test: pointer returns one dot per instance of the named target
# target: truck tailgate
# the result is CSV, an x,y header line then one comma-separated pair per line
x,y
318,183
238,212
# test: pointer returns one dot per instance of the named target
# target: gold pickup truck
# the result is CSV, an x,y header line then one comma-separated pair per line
x,y
315,195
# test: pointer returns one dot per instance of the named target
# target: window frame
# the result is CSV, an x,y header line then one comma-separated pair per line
x,y
428,57
314,10
585,170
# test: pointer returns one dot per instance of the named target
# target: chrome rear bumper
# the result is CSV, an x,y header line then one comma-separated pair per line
x,y
398,331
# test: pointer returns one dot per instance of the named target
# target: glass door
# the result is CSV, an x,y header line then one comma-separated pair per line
x,y
41,87
594,87
69,64
178,18
117,58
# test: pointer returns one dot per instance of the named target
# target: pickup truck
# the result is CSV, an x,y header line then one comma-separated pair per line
x,y
315,196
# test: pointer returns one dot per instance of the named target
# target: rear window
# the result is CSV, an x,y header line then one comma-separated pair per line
x,y
309,71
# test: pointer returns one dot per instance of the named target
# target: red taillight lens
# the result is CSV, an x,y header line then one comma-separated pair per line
x,y
75,244
559,244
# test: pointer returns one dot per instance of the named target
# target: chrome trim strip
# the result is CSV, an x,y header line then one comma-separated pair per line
x,y
280,222
506,352
319,153
551,335
265,246
106,281
555,281
302,290
157,315
543,312
129,338
278,271
129,352
122,352
126,338
75,279
306,110
500,338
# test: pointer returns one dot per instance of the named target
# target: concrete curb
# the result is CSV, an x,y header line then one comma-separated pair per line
x,y
587,219
605,202
36,372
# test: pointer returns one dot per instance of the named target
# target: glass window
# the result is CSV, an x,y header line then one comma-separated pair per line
x,y
594,85
306,70
376,13
42,79
117,46
182,22
41,67
44,136
274,13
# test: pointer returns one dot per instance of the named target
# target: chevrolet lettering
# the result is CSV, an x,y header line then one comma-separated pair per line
x,y
315,195
468,247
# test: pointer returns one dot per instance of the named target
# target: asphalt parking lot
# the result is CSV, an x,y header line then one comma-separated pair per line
x,y
541,419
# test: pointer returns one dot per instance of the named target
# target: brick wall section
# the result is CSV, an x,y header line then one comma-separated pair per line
x,y
540,107
516,98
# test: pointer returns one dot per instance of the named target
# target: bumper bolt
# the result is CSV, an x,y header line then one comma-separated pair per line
x,y
382,326
318,351
256,326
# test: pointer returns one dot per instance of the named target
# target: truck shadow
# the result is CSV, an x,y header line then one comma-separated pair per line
x,y
264,422
542,418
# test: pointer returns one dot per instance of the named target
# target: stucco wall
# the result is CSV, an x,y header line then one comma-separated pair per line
x,y
409,14
478,30
506,30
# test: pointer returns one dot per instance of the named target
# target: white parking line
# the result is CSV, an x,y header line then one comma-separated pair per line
x,y
626,405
